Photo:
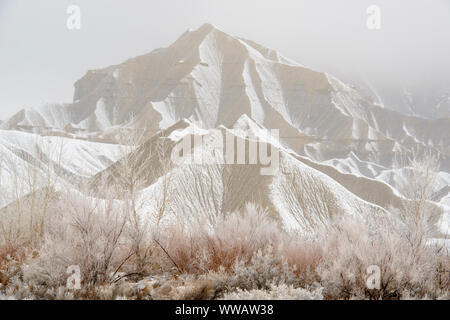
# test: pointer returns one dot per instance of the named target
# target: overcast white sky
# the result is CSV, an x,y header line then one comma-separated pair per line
x,y
40,58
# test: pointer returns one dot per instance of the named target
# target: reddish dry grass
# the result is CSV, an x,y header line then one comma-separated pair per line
x,y
199,251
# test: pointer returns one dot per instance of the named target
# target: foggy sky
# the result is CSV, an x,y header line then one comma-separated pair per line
x,y
40,58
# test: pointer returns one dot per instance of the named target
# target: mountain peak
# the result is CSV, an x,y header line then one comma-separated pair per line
x,y
203,30
207,26
212,78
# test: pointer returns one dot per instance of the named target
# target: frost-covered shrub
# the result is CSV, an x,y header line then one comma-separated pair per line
x,y
405,265
239,255
86,233
235,237
266,268
203,247
276,292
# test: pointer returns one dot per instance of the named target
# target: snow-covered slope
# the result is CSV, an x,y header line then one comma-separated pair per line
x,y
29,162
297,194
333,138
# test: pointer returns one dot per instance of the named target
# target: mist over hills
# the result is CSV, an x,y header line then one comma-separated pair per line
x,y
337,145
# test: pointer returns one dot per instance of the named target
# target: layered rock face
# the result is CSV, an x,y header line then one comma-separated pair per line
x,y
329,131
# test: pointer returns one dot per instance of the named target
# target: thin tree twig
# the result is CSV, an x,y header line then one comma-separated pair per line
x,y
165,251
